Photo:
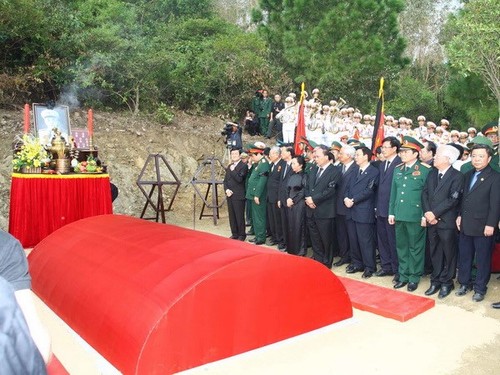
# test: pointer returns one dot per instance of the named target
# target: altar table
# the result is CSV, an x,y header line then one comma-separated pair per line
x,y
43,203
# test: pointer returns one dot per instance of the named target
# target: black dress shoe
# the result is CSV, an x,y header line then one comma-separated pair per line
x,y
463,290
478,297
241,238
432,290
445,291
496,305
381,273
400,284
260,242
353,269
234,237
341,262
282,246
367,274
412,287
395,279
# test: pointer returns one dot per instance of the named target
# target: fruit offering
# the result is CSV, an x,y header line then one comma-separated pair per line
x,y
89,166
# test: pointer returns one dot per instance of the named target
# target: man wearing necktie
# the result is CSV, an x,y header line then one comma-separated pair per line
x,y
360,201
440,199
477,221
386,235
320,193
349,171
286,172
273,182
405,211
257,192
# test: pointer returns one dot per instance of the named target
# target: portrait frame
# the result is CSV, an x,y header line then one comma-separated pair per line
x,y
45,118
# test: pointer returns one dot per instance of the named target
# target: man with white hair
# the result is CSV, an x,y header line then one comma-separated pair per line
x,y
349,171
440,199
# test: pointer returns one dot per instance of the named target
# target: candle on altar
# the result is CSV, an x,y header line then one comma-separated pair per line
x,y
90,123
26,118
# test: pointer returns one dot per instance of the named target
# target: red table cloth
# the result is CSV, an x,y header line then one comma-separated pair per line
x,y
41,204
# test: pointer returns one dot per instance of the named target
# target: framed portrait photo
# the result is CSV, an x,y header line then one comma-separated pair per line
x,y
47,119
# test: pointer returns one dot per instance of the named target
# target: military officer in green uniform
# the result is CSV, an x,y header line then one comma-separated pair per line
x,y
256,191
405,211
266,107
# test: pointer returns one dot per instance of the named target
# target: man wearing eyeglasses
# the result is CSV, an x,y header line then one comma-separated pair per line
x,y
477,222
386,235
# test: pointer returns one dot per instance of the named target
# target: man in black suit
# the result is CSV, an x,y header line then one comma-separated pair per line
x,y
321,187
273,181
427,156
234,186
440,200
386,234
349,170
287,156
360,202
477,221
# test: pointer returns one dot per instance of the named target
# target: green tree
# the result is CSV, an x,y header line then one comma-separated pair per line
x,y
117,59
470,99
218,72
475,47
341,47
410,97
36,46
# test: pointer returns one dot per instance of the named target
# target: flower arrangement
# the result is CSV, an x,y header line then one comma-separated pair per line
x,y
31,155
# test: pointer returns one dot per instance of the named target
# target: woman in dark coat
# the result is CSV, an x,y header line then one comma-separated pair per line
x,y
296,207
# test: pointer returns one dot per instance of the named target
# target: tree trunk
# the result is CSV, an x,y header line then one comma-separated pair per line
x,y
136,103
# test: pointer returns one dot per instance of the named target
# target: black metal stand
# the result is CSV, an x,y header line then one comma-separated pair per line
x,y
216,171
157,182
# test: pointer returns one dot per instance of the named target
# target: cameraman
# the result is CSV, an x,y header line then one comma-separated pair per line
x,y
234,136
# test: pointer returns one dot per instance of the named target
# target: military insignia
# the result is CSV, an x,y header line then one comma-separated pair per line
x,y
426,165
416,173
416,167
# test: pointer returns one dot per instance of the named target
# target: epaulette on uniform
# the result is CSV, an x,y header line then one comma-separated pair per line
x,y
399,165
426,165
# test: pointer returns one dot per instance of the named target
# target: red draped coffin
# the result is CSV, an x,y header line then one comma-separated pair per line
x,y
157,299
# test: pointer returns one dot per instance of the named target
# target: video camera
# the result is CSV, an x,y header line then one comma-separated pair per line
x,y
227,130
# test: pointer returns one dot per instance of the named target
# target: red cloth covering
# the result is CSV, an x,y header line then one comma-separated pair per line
x,y
41,204
154,298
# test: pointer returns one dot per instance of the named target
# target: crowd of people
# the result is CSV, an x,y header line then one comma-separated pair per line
x,y
337,121
416,207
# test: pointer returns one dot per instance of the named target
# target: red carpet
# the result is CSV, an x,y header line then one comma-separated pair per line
x,y
55,367
385,302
